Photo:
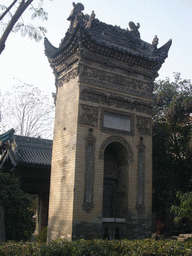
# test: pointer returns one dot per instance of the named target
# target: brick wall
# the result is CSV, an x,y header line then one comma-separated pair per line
x,y
63,162
80,105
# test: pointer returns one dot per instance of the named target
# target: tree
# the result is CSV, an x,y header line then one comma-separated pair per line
x,y
172,154
17,215
184,210
12,21
26,109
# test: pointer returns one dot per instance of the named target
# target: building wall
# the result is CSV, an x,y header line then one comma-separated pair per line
x,y
82,100
63,162
97,95
135,219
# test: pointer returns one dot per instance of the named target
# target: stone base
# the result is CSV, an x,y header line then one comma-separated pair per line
x,y
85,230
138,228
132,229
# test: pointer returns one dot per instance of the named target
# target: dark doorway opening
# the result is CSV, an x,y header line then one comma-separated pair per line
x,y
115,190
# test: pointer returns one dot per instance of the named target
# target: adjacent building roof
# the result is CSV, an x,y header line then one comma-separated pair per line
x,y
27,150
33,151
105,39
5,140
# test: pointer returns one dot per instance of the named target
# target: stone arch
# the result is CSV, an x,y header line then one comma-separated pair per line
x,y
116,139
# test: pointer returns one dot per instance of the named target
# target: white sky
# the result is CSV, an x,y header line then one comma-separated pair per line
x,y
24,59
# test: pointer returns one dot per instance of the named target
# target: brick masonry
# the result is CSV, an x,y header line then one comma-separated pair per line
x,y
101,177
80,107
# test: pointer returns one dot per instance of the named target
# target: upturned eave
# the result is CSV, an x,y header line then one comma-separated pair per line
x,y
107,40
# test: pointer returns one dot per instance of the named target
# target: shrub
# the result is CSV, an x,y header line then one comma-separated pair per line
x,y
184,210
42,237
144,247
17,216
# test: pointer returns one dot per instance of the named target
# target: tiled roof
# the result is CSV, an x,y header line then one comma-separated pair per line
x,y
5,140
95,35
123,40
7,136
32,151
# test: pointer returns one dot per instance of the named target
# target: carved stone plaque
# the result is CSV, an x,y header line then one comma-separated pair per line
x,y
89,177
117,122
141,174
144,125
89,172
140,177
88,115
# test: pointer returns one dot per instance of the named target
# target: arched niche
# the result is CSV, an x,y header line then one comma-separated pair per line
x,y
115,181
120,140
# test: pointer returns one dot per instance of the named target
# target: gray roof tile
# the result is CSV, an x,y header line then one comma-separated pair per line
x,y
33,151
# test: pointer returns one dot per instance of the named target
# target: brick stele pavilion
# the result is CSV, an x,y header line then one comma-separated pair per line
x,y
101,176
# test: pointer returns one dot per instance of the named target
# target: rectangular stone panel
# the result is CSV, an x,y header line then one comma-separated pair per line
x,y
117,122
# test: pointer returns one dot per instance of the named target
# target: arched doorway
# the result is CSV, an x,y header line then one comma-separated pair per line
x,y
115,190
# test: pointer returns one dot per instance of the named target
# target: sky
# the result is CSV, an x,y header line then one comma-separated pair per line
x,y
24,60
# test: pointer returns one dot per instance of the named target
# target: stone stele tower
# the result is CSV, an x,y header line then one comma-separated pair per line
x,y
101,177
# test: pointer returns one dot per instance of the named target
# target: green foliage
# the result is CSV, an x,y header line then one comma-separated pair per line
x,y
172,155
42,237
17,217
98,247
7,13
184,210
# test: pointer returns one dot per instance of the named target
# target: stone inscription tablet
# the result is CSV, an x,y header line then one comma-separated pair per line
x,y
117,122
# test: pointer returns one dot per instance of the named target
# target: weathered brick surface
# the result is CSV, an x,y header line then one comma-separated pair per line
x,y
104,76
63,162
67,217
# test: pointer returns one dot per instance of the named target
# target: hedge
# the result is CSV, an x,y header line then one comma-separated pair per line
x,y
98,248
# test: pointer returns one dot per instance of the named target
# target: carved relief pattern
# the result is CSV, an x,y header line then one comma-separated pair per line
x,y
66,66
106,64
89,173
89,177
144,125
88,115
111,66
66,78
140,178
141,169
88,96
116,82
112,100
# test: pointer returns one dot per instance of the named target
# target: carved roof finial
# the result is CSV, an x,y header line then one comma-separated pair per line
x,y
134,28
91,18
155,40
92,15
78,8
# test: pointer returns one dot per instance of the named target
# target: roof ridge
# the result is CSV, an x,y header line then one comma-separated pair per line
x,y
92,34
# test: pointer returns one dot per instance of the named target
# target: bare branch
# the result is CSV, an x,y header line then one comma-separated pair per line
x,y
29,111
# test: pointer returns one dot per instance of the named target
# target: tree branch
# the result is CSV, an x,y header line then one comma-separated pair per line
x,y
22,7
7,10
